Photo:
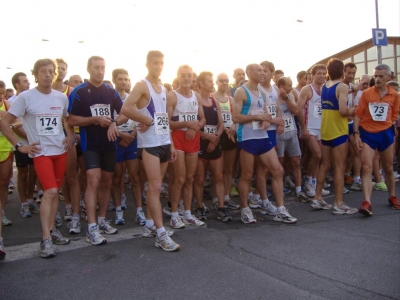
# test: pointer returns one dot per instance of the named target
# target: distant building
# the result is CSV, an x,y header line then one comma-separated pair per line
x,y
364,56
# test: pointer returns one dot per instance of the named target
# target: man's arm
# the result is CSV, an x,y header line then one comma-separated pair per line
x,y
305,95
237,117
342,93
292,105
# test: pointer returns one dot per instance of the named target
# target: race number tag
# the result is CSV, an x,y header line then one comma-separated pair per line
x,y
272,110
100,110
48,124
210,129
257,124
187,116
317,109
379,111
289,124
227,118
127,127
161,124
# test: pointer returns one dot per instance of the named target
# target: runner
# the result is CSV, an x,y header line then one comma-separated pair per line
x,y
376,113
239,76
186,118
146,105
249,112
74,81
334,135
41,110
91,106
210,154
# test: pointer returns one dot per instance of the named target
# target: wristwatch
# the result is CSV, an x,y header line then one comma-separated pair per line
x,y
19,144
285,98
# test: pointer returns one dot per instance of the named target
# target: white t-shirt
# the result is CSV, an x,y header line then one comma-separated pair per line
x,y
42,117
12,99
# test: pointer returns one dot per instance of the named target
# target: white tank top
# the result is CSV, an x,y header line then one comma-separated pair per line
x,y
314,111
272,102
158,134
350,100
254,105
297,92
129,126
186,109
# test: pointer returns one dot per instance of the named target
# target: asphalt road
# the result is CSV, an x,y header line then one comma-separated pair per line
x,y
321,257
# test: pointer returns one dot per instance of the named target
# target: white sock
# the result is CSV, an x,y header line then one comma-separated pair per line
x,y
245,209
188,214
30,201
250,194
181,202
68,205
149,223
101,219
123,196
280,209
265,202
174,214
138,210
91,225
356,179
298,189
117,208
309,179
160,231
215,200
226,198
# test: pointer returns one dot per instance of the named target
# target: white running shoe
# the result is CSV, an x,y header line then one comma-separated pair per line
x,y
140,218
247,216
94,237
255,201
74,226
192,221
152,232
268,209
105,227
284,217
176,222
316,204
288,183
310,191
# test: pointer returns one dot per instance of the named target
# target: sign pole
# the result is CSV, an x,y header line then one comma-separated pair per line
x,y
378,48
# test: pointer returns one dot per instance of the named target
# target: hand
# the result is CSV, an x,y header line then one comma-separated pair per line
x,y
190,134
266,125
279,121
305,134
142,127
112,132
78,138
211,147
195,125
123,143
358,142
104,121
213,138
31,149
282,93
280,129
126,138
174,155
264,117
68,143
351,111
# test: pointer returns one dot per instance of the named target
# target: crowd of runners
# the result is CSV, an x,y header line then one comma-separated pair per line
x,y
83,140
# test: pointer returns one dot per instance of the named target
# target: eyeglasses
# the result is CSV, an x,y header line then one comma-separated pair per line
x,y
223,80
187,75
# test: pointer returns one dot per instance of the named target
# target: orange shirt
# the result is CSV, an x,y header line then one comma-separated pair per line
x,y
368,98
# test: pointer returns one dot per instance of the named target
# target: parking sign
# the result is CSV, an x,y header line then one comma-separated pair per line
x,y
379,37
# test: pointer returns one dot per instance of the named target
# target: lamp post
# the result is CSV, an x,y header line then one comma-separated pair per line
x,y
378,48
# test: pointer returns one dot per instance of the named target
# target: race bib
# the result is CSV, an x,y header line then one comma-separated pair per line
x,y
210,129
227,118
317,110
379,111
100,110
257,124
48,124
289,124
272,110
127,127
187,116
161,123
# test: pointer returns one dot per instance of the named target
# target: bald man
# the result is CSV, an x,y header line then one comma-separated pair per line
x,y
249,113
75,80
239,76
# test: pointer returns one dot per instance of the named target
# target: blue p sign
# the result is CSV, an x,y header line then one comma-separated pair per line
x,y
379,37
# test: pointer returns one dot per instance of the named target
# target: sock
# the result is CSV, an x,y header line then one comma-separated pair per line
x,y
357,179
123,196
149,223
250,194
160,231
24,204
215,200
226,198
117,208
30,201
188,214
265,202
180,202
298,189
92,225
101,219
68,205
287,178
75,216
346,174
138,210
245,210
280,209
308,179
174,214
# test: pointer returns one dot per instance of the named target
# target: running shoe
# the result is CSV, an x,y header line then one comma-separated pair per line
x,y
230,204
325,192
105,227
176,222
302,197
394,202
84,214
269,195
326,185
194,204
33,208
192,220
167,210
119,218
57,238
344,210
123,202
152,232
284,217
286,191
310,191
11,185
365,209
111,206
255,201
206,209
345,191
348,179
329,178
164,190
268,209
61,196
181,210
140,218
94,237
68,214
40,196
74,226
2,251
247,216
223,215
81,203
233,192
25,212
288,183
5,221
166,243
381,186
320,204
58,221
47,248
201,214
356,186
214,206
